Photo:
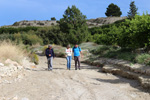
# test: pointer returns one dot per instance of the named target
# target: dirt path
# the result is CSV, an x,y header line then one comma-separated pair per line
x,y
62,84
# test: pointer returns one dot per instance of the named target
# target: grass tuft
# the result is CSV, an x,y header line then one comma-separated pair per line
x,y
9,50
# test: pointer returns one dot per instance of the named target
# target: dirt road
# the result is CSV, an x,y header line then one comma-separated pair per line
x,y
61,84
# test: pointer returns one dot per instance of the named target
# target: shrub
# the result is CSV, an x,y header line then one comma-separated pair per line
x,y
31,39
9,50
34,58
143,59
43,49
115,52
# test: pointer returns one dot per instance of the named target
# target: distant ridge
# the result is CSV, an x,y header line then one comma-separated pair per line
x,y
91,22
103,21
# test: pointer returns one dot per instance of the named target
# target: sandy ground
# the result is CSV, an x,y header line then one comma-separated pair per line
x,y
89,83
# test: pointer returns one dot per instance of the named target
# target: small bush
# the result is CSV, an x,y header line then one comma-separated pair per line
x,y
43,50
143,59
34,58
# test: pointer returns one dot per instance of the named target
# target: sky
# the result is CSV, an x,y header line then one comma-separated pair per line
x,y
17,10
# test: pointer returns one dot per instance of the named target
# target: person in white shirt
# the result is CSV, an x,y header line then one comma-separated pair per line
x,y
68,56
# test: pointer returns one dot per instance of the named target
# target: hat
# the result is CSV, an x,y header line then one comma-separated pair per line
x,y
68,46
49,46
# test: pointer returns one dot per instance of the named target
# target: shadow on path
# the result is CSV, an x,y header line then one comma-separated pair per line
x,y
121,80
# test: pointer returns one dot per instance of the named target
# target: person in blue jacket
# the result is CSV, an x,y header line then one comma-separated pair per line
x,y
50,56
77,54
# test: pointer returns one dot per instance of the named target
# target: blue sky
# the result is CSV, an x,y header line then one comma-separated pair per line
x,y
17,10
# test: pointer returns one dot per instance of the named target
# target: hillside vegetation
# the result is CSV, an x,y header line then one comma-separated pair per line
x,y
129,35
132,33
124,33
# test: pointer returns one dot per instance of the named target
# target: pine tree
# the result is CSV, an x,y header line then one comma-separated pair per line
x,y
73,25
53,18
133,10
113,10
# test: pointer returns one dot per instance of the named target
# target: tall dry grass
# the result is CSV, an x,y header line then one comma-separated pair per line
x,y
9,50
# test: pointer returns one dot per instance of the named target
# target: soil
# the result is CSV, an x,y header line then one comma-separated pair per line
x,y
89,83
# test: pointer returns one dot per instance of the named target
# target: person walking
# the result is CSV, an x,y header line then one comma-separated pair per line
x,y
50,56
68,56
77,52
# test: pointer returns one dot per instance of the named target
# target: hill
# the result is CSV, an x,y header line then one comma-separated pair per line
x,y
103,21
91,22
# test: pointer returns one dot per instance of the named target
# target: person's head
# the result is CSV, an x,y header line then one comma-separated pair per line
x,y
76,45
49,46
68,46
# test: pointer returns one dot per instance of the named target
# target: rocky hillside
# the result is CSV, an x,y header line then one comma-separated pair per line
x,y
91,22
34,23
103,21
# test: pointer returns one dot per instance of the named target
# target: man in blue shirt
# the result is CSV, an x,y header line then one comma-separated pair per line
x,y
77,51
50,56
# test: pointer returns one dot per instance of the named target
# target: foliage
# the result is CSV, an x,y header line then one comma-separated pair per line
x,y
34,58
126,33
135,30
115,52
27,38
73,25
113,10
51,35
143,58
12,30
133,10
53,18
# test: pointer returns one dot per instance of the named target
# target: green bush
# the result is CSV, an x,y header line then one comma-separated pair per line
x,y
143,59
115,52
12,30
43,49
34,58
125,33
31,39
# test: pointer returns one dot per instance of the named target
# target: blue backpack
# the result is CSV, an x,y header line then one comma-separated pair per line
x,y
78,48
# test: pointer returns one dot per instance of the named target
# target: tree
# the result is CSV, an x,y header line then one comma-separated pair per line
x,y
113,10
53,18
133,10
73,25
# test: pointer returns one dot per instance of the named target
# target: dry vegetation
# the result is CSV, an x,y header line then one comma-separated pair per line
x,y
9,50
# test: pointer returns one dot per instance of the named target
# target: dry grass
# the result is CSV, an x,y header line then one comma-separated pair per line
x,y
8,50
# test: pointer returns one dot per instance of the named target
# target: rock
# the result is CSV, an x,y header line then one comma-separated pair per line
x,y
148,72
1,64
20,77
15,98
24,99
10,62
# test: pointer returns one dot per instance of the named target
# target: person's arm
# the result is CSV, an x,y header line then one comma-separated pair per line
x,y
66,53
80,52
71,51
46,53
53,53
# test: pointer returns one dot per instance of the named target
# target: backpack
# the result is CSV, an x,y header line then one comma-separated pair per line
x,y
78,48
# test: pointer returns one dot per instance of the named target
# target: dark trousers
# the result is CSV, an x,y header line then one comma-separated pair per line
x,y
77,61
